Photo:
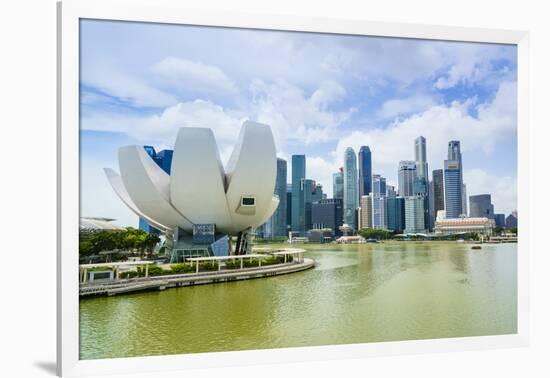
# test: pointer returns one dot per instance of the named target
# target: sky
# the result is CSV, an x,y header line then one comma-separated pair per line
x,y
320,93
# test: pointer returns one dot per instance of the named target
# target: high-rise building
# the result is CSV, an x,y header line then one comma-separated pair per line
x,y
275,226
455,155
310,192
438,190
512,220
406,175
298,223
390,191
365,171
500,220
452,188
414,215
395,208
338,184
351,197
327,213
164,160
481,206
379,219
365,220
288,207
420,157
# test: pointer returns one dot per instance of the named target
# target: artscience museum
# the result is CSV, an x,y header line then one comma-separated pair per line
x,y
202,204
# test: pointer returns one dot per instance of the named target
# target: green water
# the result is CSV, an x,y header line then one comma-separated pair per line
x,y
355,294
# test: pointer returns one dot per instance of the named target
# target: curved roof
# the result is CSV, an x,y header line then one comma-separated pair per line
x,y
199,190
99,224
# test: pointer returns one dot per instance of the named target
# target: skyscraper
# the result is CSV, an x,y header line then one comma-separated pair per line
x,y
288,207
310,192
481,206
438,190
275,226
395,207
420,157
406,175
452,189
327,213
298,207
338,184
351,196
366,212
379,219
455,154
365,171
390,191
414,215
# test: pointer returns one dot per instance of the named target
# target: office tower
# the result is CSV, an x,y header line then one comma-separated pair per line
x,y
420,189
298,207
512,220
438,190
338,184
288,207
379,220
500,220
310,192
464,200
164,160
365,171
481,206
275,226
414,215
366,212
455,155
406,175
327,213
351,197
452,188
395,208
420,157
390,191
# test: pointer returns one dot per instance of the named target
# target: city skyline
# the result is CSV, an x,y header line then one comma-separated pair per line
x,y
342,91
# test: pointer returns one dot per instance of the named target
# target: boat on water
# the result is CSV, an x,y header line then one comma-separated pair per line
x,y
476,247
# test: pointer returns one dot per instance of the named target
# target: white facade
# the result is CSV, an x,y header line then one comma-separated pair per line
x,y
199,190
483,226
414,215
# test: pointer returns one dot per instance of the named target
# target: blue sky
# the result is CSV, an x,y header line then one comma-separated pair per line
x,y
320,93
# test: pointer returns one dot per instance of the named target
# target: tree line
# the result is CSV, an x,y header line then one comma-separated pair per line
x,y
131,239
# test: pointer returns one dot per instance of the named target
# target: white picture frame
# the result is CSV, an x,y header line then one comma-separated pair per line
x,y
69,14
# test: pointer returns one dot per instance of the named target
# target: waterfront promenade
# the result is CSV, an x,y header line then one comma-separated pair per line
x,y
123,286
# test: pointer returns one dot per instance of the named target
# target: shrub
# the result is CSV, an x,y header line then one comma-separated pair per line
x,y
208,266
232,264
129,274
251,263
155,270
182,268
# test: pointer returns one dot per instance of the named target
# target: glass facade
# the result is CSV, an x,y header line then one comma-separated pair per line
x,y
298,223
414,215
438,190
379,219
327,213
481,206
351,195
338,184
453,189
396,213
406,175
365,171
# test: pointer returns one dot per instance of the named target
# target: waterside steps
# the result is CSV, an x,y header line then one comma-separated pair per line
x,y
125,286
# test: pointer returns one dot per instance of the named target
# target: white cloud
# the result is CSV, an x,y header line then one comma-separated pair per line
x,y
503,189
496,121
403,106
125,87
194,76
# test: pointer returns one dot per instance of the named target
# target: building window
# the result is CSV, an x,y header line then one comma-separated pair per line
x,y
248,201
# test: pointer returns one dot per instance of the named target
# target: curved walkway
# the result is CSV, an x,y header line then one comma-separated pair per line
x,y
189,279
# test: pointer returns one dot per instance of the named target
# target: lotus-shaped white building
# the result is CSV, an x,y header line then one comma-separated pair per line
x,y
200,194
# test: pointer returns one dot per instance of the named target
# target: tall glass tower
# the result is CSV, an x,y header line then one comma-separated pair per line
x,y
453,188
365,171
438,191
338,184
455,155
351,196
420,157
406,175
298,205
379,218
275,226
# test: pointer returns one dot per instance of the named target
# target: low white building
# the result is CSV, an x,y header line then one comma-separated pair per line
x,y
483,226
